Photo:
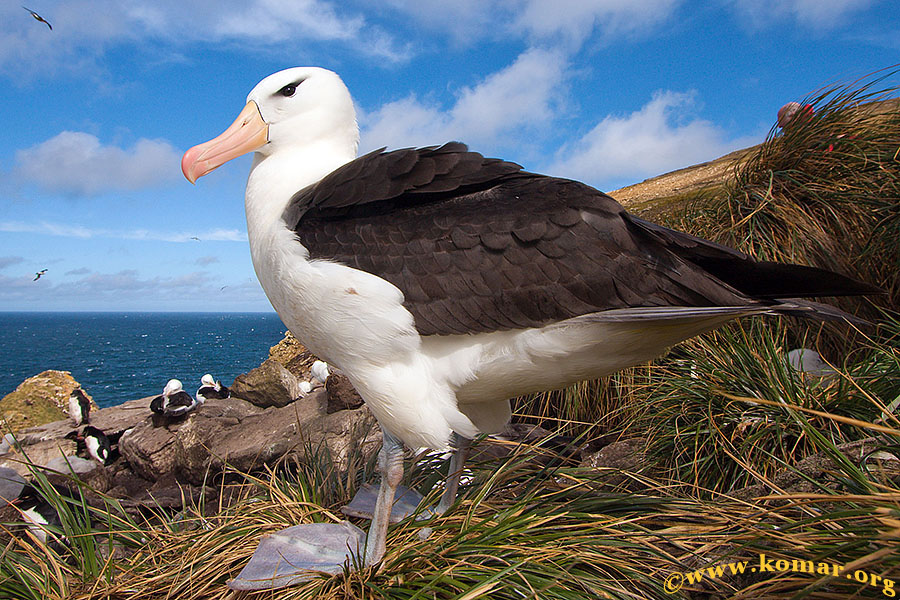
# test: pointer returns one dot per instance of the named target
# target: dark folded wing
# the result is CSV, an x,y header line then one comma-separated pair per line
x,y
478,245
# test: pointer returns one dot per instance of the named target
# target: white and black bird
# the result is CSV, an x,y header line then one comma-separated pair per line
x,y
319,371
39,274
40,517
442,283
174,401
211,388
39,18
79,407
98,445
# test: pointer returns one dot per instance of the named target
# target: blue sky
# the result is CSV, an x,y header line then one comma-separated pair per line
x,y
98,111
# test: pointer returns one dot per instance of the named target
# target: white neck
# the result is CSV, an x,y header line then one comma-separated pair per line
x,y
276,177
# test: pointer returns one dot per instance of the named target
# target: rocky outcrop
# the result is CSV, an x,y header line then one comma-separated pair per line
x,y
341,393
293,356
164,461
41,399
269,384
235,433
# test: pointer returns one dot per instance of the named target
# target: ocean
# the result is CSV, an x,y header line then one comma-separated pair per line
x,y
122,356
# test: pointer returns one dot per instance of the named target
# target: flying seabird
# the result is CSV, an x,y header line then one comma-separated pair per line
x,y
442,283
174,401
210,388
39,274
39,18
79,407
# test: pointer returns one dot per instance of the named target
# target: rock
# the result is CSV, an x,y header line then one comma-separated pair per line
x,y
11,485
236,433
41,399
166,493
7,442
89,472
812,473
149,450
624,455
39,453
72,464
809,362
341,393
113,421
613,460
293,356
269,384
164,462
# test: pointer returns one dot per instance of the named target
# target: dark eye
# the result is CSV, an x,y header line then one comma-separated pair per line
x,y
288,90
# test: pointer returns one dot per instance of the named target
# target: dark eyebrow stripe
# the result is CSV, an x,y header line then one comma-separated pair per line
x,y
295,84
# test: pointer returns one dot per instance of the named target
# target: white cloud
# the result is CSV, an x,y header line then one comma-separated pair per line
x,y
660,137
571,21
130,290
283,19
465,20
815,14
521,97
84,30
78,231
8,261
205,261
77,163
576,20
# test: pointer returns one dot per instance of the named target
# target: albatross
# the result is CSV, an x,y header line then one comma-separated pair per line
x,y
443,283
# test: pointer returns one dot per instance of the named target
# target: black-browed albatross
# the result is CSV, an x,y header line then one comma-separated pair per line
x,y
442,283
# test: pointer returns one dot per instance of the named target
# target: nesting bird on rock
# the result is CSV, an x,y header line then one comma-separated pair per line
x,y
79,407
174,401
319,371
211,388
96,444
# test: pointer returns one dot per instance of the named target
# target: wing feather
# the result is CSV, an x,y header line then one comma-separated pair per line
x,y
478,245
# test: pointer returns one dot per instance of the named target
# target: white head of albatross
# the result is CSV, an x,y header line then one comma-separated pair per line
x,y
442,283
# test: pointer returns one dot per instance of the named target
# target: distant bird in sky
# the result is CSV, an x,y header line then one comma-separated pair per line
x,y
194,237
38,17
39,274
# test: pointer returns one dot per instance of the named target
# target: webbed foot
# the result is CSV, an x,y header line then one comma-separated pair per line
x,y
406,502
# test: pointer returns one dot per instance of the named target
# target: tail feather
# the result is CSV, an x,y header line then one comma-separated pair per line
x,y
762,280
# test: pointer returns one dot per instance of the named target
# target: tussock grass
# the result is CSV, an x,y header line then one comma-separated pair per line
x,y
824,191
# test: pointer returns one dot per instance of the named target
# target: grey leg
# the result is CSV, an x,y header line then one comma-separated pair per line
x,y
461,447
390,466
